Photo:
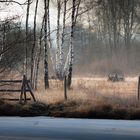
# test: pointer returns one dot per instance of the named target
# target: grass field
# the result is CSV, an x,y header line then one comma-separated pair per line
x,y
87,98
90,89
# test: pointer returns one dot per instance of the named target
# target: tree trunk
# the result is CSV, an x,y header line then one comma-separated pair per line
x,y
3,40
62,41
26,47
58,40
46,76
71,45
49,38
39,55
33,48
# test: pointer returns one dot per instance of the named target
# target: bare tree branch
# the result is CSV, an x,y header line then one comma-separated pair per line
x,y
13,1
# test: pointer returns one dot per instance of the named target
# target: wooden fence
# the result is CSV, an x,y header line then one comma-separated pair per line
x,y
25,87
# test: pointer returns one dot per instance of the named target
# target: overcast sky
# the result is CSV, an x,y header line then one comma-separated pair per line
x,y
15,9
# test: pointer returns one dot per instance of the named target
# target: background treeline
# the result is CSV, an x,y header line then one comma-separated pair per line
x,y
12,42
92,37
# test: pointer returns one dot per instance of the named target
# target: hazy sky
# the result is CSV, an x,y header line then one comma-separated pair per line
x,y
15,9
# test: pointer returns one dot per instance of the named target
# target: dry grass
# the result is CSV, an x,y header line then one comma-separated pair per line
x,y
90,89
88,98
93,98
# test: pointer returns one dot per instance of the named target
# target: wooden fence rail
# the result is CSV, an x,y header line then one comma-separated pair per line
x,y
13,81
12,90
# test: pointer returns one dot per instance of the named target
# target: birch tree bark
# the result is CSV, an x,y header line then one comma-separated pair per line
x,y
49,38
34,46
26,47
71,45
58,40
39,55
62,40
46,76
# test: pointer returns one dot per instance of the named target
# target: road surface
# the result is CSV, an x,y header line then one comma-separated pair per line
x,y
44,128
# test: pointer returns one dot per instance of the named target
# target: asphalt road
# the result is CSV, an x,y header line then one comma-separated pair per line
x,y
43,128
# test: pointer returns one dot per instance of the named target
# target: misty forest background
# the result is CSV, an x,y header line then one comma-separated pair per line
x,y
88,38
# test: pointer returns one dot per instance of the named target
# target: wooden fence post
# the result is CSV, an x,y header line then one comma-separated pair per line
x,y
23,89
31,92
25,86
139,88
65,88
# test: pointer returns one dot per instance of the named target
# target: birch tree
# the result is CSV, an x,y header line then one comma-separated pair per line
x,y
39,54
62,40
46,76
71,45
34,46
26,47
58,39
49,37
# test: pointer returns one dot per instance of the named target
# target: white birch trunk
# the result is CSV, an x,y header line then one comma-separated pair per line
x,y
34,46
39,55
71,45
62,41
49,38
26,47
